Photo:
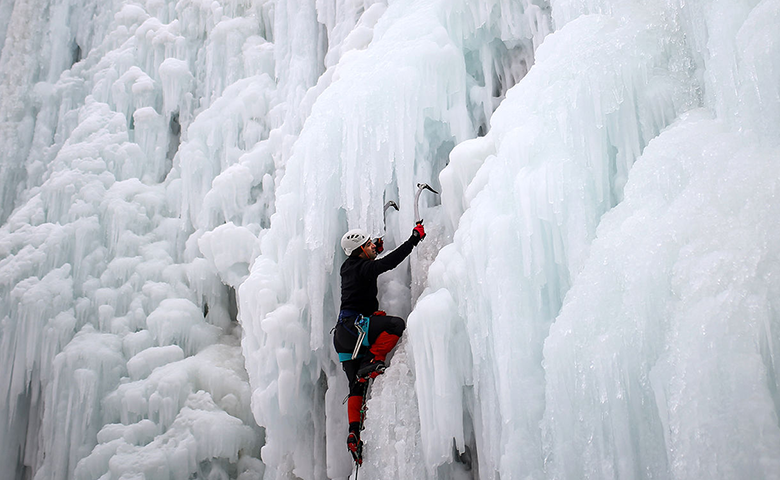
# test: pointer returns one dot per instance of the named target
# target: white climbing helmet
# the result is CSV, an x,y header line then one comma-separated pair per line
x,y
353,239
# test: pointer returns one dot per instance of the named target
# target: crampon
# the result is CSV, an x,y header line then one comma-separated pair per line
x,y
355,447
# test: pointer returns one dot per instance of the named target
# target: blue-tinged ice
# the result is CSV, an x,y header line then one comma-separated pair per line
x,y
596,297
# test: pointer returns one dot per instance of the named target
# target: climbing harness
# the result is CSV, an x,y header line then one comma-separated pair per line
x,y
357,325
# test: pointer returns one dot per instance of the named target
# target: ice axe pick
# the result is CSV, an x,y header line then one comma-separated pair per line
x,y
389,204
420,188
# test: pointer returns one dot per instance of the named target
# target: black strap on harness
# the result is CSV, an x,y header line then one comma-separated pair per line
x,y
347,319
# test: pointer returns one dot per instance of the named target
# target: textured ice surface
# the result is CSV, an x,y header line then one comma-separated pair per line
x,y
596,296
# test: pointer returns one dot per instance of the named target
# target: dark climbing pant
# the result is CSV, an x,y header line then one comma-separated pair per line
x,y
384,331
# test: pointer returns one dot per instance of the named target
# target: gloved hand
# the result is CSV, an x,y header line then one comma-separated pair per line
x,y
418,231
380,245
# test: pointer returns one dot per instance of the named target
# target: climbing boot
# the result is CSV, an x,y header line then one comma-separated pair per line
x,y
355,447
372,369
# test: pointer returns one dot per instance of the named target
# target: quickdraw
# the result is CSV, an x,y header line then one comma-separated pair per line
x,y
347,321
360,323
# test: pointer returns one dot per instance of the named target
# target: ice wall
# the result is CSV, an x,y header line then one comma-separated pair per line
x,y
146,146
676,340
40,40
122,357
661,325
555,160
602,299
425,82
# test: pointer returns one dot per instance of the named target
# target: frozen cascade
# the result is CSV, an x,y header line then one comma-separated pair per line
x,y
693,358
554,161
667,330
662,362
348,160
100,290
596,297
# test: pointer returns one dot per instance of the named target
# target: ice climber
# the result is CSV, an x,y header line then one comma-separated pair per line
x,y
364,335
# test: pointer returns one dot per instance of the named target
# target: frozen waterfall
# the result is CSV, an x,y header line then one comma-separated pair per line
x,y
598,296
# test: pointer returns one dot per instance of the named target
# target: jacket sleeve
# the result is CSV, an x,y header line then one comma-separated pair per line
x,y
391,260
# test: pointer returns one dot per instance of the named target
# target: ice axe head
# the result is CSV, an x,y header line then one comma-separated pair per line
x,y
420,188
389,204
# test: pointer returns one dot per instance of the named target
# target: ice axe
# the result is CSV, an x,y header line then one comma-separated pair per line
x,y
420,188
389,204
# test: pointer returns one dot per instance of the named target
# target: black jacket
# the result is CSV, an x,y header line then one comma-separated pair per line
x,y
358,278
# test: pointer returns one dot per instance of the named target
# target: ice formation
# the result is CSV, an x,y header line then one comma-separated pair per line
x,y
596,297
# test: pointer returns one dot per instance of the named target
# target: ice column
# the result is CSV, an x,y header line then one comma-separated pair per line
x,y
99,286
662,361
362,137
555,160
